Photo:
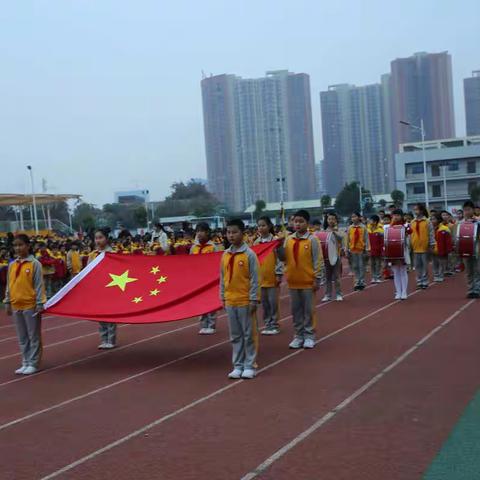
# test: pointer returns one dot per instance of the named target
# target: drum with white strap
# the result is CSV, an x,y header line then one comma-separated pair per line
x,y
328,241
467,239
394,244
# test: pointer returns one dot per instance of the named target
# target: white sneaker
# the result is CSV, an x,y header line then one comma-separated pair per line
x,y
109,346
202,331
403,296
274,331
296,343
248,373
397,296
326,298
309,343
102,346
209,331
235,374
339,297
267,331
29,370
20,370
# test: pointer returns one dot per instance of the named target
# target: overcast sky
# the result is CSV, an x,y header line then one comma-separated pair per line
x,y
104,95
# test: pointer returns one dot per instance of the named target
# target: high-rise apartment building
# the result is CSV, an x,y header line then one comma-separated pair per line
x,y
259,138
421,89
471,89
353,128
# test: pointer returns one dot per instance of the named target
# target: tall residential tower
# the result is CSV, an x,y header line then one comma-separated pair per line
x,y
471,88
259,138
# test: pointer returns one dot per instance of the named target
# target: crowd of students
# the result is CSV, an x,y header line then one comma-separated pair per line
x,y
34,269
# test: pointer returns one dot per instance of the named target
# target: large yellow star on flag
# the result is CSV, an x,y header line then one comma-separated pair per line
x,y
121,281
162,279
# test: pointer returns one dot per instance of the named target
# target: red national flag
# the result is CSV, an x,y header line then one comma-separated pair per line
x,y
144,289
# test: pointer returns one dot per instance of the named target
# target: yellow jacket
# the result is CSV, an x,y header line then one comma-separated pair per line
x,y
271,267
239,277
422,237
198,248
25,289
357,242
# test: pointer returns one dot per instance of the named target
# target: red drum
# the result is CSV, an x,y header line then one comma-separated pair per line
x,y
328,242
467,239
394,245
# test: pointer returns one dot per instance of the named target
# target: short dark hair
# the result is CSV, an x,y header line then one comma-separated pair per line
x,y
203,227
381,211
105,231
375,218
236,222
422,208
302,214
469,203
22,238
398,211
387,215
358,214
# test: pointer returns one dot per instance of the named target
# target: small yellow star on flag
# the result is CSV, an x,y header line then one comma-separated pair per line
x,y
154,293
155,270
162,279
137,300
120,281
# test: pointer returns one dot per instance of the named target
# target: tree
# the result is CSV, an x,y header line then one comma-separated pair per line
x,y
398,198
85,215
475,194
59,211
260,206
326,201
140,216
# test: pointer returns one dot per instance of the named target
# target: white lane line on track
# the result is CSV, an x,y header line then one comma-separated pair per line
x,y
134,376
347,401
13,326
49,329
201,400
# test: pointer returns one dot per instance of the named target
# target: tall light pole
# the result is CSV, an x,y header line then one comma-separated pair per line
x,y
444,172
34,200
421,129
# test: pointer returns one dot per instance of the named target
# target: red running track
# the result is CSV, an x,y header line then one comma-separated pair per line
x,y
161,406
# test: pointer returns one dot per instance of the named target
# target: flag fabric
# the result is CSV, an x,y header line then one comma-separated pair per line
x,y
144,289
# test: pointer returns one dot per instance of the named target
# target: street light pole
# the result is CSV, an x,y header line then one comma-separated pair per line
x,y
34,200
421,128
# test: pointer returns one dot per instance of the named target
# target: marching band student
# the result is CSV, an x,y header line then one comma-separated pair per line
x,y
24,299
423,241
443,246
304,270
450,222
387,271
203,244
357,245
399,267
271,271
471,263
375,240
107,330
333,273
239,293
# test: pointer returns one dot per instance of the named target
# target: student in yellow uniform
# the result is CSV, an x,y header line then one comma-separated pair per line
x,y
423,242
357,245
108,330
302,254
74,261
24,299
271,271
239,293
203,244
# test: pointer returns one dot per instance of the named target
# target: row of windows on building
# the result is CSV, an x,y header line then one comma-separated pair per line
x,y
419,188
436,169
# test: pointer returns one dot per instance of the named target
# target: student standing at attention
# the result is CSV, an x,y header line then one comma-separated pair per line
x,y
304,271
239,293
357,244
203,244
423,242
271,271
375,239
108,330
24,299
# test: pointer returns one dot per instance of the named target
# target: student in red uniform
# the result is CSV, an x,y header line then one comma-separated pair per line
x,y
399,267
443,246
271,271
203,244
108,330
239,293
375,240
24,299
